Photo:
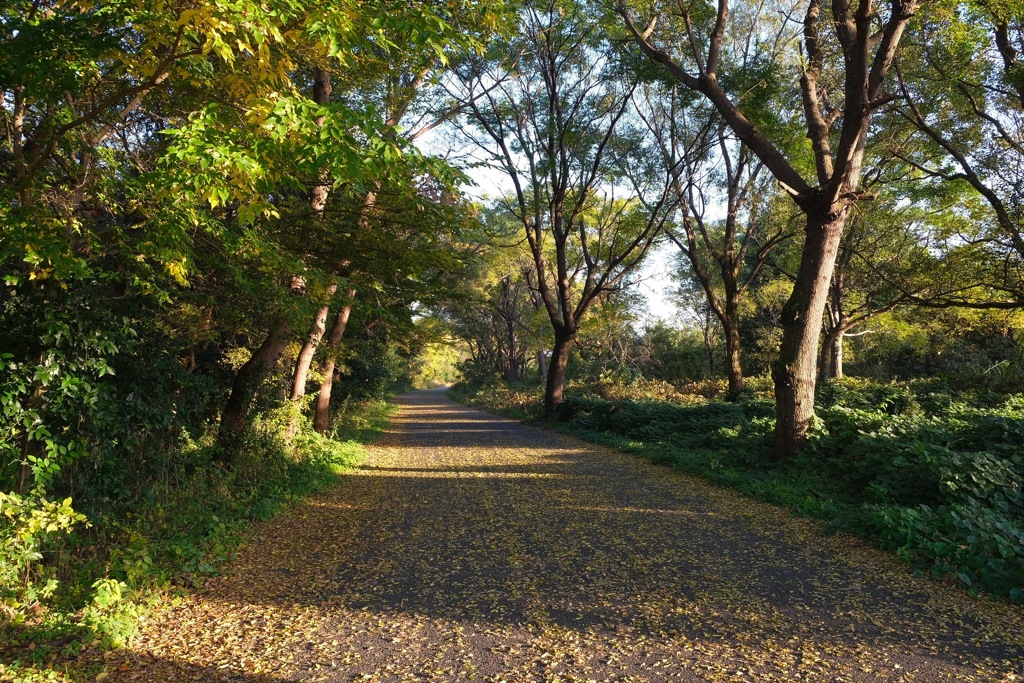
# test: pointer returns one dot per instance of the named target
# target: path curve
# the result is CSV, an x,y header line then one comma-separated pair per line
x,y
470,548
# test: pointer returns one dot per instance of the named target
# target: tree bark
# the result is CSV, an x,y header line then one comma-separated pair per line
x,y
512,373
830,366
322,410
735,366
318,201
304,360
554,392
795,372
832,356
322,96
235,417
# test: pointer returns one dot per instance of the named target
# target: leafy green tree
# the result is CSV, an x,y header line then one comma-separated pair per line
x,y
962,93
847,53
547,110
725,255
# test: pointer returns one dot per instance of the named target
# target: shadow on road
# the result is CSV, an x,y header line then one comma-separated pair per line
x,y
461,518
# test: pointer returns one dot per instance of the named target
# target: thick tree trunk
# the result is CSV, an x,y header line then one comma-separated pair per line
x,y
795,372
730,325
322,410
733,362
555,390
236,411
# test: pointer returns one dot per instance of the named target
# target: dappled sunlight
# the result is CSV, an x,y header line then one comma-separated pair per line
x,y
646,511
541,560
457,474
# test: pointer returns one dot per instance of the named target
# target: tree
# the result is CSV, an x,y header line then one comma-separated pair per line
x,y
888,259
403,85
549,117
846,56
961,91
352,144
709,166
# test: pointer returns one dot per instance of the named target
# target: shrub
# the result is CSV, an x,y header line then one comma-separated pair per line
x,y
29,527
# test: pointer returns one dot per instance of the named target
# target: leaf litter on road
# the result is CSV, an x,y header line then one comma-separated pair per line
x,y
470,548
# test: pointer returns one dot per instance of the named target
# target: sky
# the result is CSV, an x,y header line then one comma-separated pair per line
x,y
654,280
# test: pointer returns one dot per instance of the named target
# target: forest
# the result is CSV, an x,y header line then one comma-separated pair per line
x,y
229,231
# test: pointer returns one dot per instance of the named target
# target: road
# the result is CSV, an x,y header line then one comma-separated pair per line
x,y
471,548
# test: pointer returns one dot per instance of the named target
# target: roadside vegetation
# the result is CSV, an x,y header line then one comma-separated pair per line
x,y
83,578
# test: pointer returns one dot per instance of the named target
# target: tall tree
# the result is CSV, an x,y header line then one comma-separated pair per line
x,y
348,143
848,52
710,167
548,109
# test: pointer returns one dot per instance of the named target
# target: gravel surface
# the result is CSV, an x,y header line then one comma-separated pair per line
x,y
470,548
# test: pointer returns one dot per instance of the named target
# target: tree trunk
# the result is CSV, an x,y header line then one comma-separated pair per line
x,y
322,96
306,353
513,352
795,372
830,365
303,362
733,362
709,342
555,389
322,411
835,368
236,411
512,374
734,365
542,363
318,201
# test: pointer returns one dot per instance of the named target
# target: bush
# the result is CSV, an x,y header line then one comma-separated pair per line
x,y
29,527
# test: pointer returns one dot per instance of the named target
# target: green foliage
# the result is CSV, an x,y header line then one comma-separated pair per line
x,y
940,479
373,370
436,365
29,527
181,531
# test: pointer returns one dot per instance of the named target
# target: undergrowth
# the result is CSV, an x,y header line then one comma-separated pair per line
x,y
95,578
918,468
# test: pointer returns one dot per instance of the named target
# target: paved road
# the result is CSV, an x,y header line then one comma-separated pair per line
x,y
470,548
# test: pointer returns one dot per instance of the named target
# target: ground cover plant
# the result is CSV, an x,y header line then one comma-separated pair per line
x,y
74,580
932,474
